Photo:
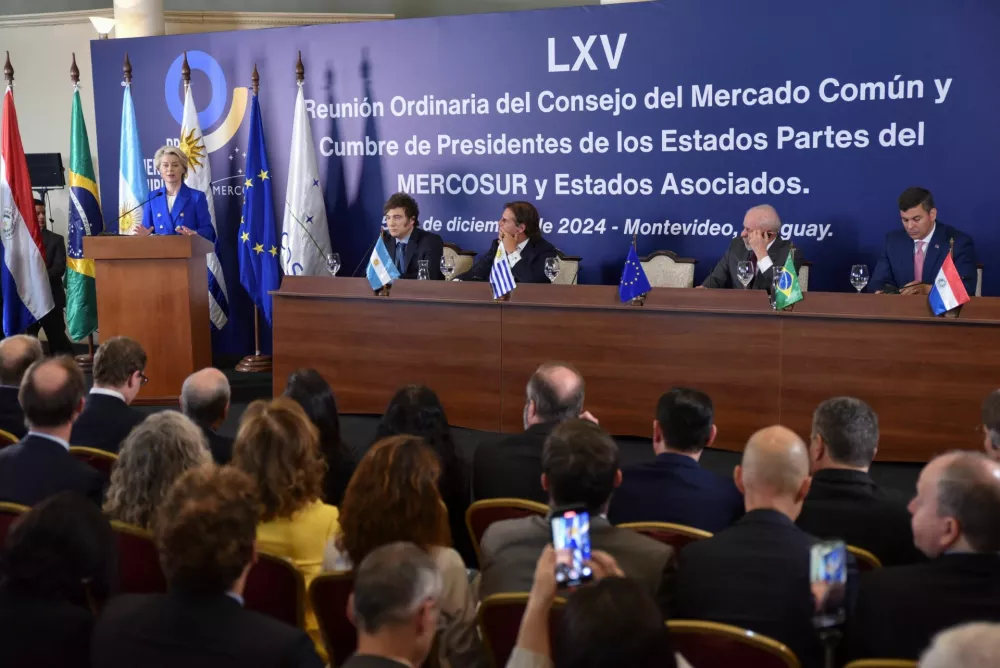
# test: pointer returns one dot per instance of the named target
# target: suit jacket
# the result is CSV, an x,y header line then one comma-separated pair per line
x,y
55,263
900,609
511,467
36,468
849,505
221,446
11,414
511,549
754,575
725,276
674,488
529,269
178,629
422,245
43,633
190,210
104,423
895,266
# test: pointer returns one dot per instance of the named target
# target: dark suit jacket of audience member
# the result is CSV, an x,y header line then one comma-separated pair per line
x,y
104,423
674,488
422,245
849,505
724,275
512,467
529,269
511,549
221,446
178,629
55,264
36,468
11,414
754,575
900,609
41,633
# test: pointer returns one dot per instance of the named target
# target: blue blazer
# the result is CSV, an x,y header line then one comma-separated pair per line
x,y
190,210
895,267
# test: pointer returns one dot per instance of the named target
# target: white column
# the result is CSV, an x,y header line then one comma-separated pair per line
x,y
138,18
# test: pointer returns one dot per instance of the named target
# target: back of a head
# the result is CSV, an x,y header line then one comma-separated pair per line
x,y
849,428
391,584
775,463
557,389
580,462
51,392
62,549
116,360
17,353
314,394
975,645
612,623
991,418
686,417
205,396
156,452
969,491
206,527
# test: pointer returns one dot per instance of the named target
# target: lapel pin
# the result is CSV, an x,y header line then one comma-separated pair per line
x,y
158,215
182,214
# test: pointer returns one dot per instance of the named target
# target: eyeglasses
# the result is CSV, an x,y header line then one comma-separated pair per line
x,y
143,379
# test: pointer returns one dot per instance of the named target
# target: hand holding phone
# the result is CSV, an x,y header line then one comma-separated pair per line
x,y
571,542
828,582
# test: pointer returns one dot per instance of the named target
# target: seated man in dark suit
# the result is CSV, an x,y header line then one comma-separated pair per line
x,y
53,322
205,399
956,523
521,236
408,245
844,502
913,256
673,488
761,245
512,467
40,465
205,532
580,464
755,574
394,607
991,424
118,375
17,353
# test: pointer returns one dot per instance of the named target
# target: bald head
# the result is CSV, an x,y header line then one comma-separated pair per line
x,y
52,392
554,394
762,217
775,464
17,353
205,397
975,645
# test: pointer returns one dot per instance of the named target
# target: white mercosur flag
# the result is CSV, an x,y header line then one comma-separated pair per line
x,y
305,237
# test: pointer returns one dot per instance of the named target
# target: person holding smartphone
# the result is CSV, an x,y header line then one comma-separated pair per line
x,y
760,245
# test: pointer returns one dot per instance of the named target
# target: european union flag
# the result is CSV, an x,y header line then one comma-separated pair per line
x,y
634,282
258,235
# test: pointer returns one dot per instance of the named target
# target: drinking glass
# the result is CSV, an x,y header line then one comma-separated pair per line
x,y
859,276
775,284
333,263
423,270
744,272
447,267
552,268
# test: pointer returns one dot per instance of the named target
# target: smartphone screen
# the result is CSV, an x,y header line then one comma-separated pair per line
x,y
571,540
828,581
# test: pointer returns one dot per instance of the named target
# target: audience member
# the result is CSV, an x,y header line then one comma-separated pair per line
x,y
316,397
956,523
394,496
153,456
975,645
56,572
991,424
844,502
279,447
512,467
416,410
673,487
755,574
580,467
40,464
205,399
17,353
394,607
118,374
205,534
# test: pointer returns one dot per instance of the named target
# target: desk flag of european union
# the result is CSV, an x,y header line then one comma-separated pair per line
x,y
634,282
258,235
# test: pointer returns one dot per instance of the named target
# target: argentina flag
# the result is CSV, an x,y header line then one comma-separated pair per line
x,y
133,189
381,269
501,279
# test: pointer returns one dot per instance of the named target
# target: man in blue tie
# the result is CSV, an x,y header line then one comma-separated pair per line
x,y
408,245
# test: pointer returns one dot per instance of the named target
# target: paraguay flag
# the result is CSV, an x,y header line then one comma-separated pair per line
x,y
24,280
381,269
948,291
501,278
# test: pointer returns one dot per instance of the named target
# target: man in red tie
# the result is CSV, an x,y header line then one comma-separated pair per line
x,y
761,245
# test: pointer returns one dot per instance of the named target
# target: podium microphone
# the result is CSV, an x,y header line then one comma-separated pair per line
x,y
381,233
158,193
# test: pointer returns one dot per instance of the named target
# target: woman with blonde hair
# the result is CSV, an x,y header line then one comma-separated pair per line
x,y
154,454
393,496
174,208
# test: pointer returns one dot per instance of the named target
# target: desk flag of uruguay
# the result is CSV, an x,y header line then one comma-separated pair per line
x,y
948,291
133,189
634,282
501,278
381,269
23,277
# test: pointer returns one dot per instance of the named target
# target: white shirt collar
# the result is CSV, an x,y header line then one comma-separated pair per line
x,y
107,392
524,243
50,437
406,239
927,239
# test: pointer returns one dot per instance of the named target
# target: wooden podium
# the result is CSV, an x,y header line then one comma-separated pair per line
x,y
155,290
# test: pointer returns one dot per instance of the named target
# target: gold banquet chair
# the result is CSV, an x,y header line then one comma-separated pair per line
x,y
882,663
714,644
461,259
569,269
804,275
665,269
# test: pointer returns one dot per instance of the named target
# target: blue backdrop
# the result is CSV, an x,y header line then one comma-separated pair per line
x,y
665,119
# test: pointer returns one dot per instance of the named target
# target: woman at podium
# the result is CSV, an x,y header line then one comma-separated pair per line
x,y
175,208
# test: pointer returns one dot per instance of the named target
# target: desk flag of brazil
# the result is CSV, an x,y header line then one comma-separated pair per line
x,y
789,290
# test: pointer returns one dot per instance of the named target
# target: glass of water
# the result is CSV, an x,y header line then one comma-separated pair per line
x,y
447,266
775,284
859,276
423,270
744,272
552,268
333,263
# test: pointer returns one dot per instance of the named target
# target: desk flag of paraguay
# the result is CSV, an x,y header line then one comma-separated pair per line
x,y
948,291
501,278
381,269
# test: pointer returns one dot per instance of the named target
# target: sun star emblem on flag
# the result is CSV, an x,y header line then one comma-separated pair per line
x,y
194,148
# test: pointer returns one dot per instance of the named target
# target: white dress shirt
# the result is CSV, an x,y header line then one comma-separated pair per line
x,y
926,241
765,263
514,257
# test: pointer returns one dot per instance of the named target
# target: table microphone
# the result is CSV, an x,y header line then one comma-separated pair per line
x,y
158,193
368,252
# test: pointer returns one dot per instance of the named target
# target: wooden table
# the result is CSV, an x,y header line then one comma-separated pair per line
x,y
925,376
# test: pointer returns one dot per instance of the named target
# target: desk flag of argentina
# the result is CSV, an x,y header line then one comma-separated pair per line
x,y
381,269
501,279
634,282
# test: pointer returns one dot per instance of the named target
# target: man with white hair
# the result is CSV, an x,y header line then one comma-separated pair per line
x,y
968,646
761,245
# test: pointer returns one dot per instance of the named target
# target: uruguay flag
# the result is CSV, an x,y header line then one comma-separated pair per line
x,y
501,278
133,189
381,269
23,277
948,291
